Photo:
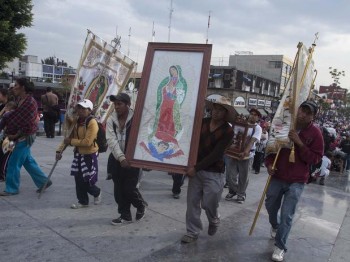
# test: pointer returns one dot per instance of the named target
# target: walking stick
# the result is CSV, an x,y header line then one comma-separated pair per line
x,y
48,179
50,174
263,195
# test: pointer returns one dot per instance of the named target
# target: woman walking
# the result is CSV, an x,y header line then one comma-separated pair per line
x,y
85,164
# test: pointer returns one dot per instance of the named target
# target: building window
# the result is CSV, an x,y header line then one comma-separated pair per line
x,y
275,64
227,77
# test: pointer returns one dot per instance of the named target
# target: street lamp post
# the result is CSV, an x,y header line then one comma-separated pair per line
x,y
12,75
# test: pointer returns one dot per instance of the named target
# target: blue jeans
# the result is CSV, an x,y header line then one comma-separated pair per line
x,y
290,193
21,156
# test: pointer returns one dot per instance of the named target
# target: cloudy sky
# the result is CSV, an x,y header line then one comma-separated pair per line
x,y
259,26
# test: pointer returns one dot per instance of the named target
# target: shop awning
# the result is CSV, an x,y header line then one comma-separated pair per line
x,y
242,111
262,112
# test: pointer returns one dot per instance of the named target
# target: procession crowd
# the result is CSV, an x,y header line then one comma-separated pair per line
x,y
224,155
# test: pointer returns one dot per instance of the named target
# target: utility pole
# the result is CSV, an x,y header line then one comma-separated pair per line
x,y
170,16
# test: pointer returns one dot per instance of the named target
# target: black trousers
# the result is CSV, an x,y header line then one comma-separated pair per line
x,y
49,125
258,158
178,181
83,188
125,192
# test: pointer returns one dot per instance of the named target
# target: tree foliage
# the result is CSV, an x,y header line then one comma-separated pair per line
x,y
14,15
52,60
336,74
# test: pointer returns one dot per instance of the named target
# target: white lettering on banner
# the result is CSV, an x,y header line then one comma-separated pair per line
x,y
261,102
239,102
252,101
267,102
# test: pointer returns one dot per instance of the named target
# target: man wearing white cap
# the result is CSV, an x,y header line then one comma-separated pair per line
x,y
206,178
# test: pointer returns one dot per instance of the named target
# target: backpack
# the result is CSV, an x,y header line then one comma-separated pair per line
x,y
101,136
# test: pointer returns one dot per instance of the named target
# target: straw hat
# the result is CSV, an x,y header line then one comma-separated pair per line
x,y
225,102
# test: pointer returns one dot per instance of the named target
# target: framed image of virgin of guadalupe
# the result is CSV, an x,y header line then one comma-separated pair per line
x,y
168,113
240,139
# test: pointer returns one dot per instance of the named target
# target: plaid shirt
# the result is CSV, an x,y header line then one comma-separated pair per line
x,y
23,119
212,146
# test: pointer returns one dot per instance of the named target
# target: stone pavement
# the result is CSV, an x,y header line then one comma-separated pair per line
x,y
46,229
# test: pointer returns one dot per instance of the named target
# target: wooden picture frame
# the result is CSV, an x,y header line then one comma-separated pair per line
x,y
168,113
240,140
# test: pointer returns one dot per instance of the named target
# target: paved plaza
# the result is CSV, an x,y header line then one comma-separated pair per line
x,y
46,229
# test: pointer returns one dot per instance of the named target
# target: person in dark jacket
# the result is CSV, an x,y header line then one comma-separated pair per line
x,y
345,147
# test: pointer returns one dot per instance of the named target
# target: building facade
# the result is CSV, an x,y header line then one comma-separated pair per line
x,y
276,68
245,90
29,66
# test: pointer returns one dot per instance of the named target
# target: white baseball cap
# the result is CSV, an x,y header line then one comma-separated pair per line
x,y
86,103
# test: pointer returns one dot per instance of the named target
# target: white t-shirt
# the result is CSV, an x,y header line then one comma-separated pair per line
x,y
256,134
325,166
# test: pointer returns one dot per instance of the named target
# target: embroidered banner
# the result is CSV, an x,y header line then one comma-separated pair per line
x,y
282,121
102,71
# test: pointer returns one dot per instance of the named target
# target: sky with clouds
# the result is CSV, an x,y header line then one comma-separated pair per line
x,y
260,26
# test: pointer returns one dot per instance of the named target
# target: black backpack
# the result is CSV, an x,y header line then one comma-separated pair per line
x,y
101,136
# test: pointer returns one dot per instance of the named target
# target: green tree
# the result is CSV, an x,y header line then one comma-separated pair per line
x,y
336,74
324,106
14,15
52,60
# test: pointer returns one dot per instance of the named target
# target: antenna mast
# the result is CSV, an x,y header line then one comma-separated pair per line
x,y
153,33
208,28
129,41
170,16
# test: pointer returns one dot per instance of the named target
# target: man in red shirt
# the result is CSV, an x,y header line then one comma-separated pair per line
x,y
288,178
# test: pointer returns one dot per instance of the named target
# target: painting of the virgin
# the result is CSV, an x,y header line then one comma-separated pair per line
x,y
167,106
167,126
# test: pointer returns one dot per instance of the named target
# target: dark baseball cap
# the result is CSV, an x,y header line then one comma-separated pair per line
x,y
311,105
120,97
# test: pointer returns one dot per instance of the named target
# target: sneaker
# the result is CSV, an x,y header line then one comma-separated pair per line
x,y
120,221
98,199
229,196
109,176
176,196
278,254
226,185
49,183
77,206
212,229
140,213
273,232
7,194
186,239
240,199
322,181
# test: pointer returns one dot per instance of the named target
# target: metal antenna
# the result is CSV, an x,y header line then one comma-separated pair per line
x,y
153,33
208,28
129,41
170,16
